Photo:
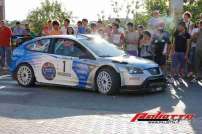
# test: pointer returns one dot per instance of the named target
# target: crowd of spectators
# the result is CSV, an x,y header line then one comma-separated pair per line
x,y
183,47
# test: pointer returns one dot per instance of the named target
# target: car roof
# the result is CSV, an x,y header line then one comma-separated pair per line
x,y
73,37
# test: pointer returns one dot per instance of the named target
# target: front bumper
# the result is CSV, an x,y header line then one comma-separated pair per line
x,y
151,84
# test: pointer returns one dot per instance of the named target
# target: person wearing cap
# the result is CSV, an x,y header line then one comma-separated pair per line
x,y
5,39
187,20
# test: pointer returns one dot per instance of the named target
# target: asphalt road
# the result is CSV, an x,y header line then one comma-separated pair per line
x,y
58,110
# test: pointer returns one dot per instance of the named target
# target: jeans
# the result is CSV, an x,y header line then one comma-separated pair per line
x,y
178,61
5,53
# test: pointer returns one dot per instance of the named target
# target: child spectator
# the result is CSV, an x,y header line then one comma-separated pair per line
x,y
70,31
180,49
145,46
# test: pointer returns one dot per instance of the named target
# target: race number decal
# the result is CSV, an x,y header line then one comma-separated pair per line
x,y
48,71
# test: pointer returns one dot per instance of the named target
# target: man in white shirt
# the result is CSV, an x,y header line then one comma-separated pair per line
x,y
66,25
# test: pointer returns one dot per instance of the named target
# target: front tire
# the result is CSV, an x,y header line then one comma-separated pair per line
x,y
25,75
107,81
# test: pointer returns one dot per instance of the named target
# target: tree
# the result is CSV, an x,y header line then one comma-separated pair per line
x,y
47,11
195,8
141,19
161,5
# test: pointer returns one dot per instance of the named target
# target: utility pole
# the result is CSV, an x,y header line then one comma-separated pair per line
x,y
2,9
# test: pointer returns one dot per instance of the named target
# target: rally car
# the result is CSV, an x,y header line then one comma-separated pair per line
x,y
83,61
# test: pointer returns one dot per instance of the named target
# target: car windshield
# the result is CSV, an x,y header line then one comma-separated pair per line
x,y
102,48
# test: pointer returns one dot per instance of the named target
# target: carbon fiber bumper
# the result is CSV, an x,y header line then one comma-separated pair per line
x,y
151,84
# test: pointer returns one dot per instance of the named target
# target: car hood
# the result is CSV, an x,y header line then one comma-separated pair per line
x,y
135,61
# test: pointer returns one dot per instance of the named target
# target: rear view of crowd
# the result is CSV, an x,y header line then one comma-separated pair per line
x,y
183,47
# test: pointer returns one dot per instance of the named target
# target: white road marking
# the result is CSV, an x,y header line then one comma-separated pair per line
x,y
1,87
13,93
4,76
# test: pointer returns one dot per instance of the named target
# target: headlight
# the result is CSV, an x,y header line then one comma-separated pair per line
x,y
134,70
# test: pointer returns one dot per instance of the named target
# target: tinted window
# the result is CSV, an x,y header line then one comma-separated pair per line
x,y
40,45
70,48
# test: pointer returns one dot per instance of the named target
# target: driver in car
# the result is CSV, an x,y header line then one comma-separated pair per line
x,y
67,48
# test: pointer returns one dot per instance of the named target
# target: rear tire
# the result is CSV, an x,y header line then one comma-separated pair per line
x,y
107,81
25,75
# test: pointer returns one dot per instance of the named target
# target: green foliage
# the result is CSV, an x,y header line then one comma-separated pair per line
x,y
195,8
47,11
161,5
141,19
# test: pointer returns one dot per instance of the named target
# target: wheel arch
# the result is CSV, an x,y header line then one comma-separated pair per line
x,y
110,67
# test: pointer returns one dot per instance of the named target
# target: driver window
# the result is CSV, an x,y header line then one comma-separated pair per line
x,y
69,48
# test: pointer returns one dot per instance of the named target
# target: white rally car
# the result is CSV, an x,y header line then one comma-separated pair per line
x,y
83,61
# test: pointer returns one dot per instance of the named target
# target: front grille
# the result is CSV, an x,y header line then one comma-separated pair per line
x,y
154,71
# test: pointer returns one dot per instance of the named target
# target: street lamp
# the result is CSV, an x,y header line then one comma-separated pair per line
x,y
2,9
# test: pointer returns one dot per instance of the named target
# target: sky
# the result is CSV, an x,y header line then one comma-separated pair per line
x,y
19,9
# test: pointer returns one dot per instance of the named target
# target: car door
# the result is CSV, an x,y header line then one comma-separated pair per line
x,y
43,63
83,67
64,61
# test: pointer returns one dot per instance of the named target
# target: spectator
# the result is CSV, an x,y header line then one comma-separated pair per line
x,y
99,24
70,31
56,28
26,30
187,19
65,26
85,26
121,29
199,53
140,30
18,30
132,38
117,37
47,28
101,33
155,20
161,42
5,39
146,48
191,61
108,32
180,49
93,28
